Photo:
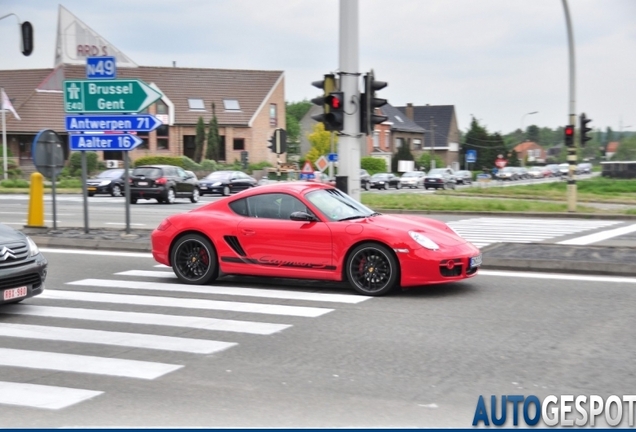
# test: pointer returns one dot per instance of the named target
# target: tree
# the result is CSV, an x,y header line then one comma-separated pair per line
x,y
199,139
294,112
320,141
533,133
212,151
425,161
488,146
626,150
513,159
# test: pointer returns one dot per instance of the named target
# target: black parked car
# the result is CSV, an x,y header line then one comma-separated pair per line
x,y
164,183
110,182
226,182
440,178
385,181
364,179
22,266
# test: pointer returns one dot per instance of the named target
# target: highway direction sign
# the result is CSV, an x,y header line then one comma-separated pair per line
x,y
125,142
108,96
101,68
106,123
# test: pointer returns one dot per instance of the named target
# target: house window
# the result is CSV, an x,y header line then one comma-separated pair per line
x,y
273,116
144,145
238,144
417,144
399,142
196,104
231,105
376,140
163,142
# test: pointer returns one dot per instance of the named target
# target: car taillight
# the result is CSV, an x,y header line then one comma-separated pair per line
x,y
161,181
164,225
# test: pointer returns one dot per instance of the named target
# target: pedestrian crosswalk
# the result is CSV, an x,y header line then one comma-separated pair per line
x,y
484,231
146,301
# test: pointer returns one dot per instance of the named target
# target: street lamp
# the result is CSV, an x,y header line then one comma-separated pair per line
x,y
523,118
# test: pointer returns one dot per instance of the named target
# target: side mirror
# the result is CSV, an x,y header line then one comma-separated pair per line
x,y
302,216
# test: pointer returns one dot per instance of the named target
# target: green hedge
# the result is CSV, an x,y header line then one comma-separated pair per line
x,y
373,165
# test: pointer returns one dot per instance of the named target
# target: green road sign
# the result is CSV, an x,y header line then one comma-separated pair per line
x,y
108,96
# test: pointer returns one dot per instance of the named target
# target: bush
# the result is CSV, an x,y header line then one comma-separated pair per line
x,y
209,165
425,161
189,164
69,183
75,163
373,165
14,183
159,160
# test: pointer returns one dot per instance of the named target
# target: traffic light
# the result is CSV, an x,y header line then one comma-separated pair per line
x,y
584,129
245,159
334,119
328,85
27,38
368,104
569,136
278,141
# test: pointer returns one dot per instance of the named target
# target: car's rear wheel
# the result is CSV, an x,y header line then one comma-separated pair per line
x,y
116,191
194,260
398,185
90,194
195,196
226,190
372,269
170,196
133,200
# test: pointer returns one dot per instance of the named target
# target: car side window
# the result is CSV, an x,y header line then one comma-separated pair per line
x,y
240,207
181,173
273,206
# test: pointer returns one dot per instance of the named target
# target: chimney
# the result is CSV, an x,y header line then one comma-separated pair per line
x,y
174,64
409,110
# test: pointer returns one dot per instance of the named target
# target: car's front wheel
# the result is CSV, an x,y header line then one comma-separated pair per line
x,y
372,269
195,196
366,186
226,190
116,191
194,260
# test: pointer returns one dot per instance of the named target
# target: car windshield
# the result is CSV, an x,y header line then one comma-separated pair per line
x,y
437,171
379,176
150,172
218,175
411,174
337,205
110,174
536,169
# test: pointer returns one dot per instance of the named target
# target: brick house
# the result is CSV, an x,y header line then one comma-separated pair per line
x,y
530,152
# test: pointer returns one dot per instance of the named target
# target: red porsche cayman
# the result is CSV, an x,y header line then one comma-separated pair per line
x,y
309,230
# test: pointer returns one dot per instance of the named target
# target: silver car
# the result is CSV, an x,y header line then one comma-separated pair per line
x,y
413,179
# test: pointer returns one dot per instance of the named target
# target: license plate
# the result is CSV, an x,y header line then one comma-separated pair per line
x,y
204,187
475,261
15,293
142,183
91,189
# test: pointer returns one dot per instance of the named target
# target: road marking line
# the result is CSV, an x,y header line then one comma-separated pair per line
x,y
600,236
42,396
84,364
123,223
557,276
189,303
104,253
201,323
133,340
216,289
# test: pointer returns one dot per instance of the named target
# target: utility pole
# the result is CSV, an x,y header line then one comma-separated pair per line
x,y
350,138
571,188
432,130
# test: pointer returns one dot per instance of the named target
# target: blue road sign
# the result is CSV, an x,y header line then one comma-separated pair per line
x,y
307,176
110,123
101,68
332,157
471,156
125,142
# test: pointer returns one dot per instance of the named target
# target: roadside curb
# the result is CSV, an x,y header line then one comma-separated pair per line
x,y
611,216
93,244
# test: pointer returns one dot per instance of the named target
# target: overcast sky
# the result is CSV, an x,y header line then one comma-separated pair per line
x,y
496,60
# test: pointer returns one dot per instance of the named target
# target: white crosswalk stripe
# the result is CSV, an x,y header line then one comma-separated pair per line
x,y
68,316
484,231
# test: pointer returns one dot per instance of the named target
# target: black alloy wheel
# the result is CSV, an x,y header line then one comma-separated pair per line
x,y
226,190
116,191
170,196
372,269
194,260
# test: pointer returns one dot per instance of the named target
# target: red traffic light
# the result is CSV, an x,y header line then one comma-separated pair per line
x,y
569,131
334,101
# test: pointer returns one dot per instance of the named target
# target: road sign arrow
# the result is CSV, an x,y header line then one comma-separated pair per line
x,y
110,123
108,96
124,142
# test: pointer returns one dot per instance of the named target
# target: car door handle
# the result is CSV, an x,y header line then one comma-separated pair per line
x,y
247,232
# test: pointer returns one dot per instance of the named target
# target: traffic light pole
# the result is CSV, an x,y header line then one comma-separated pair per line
x,y
571,188
349,142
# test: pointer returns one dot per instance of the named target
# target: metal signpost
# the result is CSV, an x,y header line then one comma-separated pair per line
x,y
102,94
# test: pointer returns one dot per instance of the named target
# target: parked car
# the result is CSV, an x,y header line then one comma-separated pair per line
x,y
464,177
584,168
110,182
384,181
507,173
440,178
164,183
266,232
538,172
522,173
413,179
226,182
564,169
554,169
23,268
364,179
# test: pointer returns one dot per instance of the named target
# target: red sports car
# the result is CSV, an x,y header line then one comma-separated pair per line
x,y
310,230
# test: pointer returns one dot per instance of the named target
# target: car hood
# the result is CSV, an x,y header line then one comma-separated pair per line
x,y
437,231
8,235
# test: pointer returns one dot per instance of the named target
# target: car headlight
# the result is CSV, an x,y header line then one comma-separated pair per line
x,y
33,248
422,240
104,183
216,184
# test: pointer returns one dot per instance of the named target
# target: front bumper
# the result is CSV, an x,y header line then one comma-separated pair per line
x,y
30,275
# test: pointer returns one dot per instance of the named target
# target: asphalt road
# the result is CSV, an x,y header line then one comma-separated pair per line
x,y
419,358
